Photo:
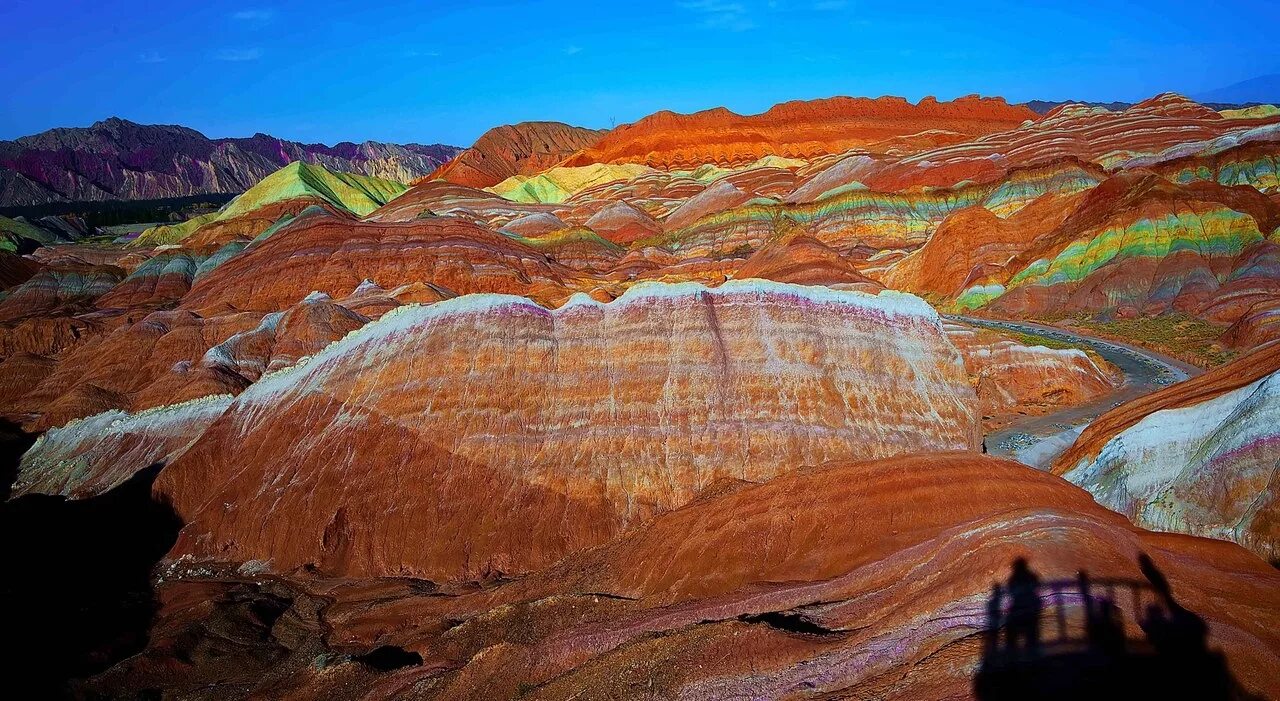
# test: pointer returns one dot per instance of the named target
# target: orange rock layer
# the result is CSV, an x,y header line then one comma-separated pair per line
x,y
798,129
528,434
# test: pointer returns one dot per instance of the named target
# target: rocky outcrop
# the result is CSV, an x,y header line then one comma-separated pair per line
x,y
114,368
1135,244
515,149
623,224
798,129
801,260
93,455
116,159
59,291
276,199
856,580
334,255
1016,379
1090,134
1198,457
529,434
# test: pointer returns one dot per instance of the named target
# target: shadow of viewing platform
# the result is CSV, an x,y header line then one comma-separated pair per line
x,y
1069,639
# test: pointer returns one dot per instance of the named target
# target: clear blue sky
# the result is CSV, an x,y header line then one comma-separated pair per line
x,y
329,70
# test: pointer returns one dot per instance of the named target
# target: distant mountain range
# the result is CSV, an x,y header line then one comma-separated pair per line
x,y
116,159
1264,88
1047,106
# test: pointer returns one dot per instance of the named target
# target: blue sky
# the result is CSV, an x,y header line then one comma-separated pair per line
x,y
329,70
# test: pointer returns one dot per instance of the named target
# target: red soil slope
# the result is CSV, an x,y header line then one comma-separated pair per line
x,y
793,129
514,149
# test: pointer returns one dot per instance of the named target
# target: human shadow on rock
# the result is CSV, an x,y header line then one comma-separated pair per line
x,y
77,596
1066,640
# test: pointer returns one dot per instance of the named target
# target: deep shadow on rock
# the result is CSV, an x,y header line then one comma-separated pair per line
x,y
1023,658
77,597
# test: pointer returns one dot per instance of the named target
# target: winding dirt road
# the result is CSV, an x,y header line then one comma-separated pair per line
x,y
1037,440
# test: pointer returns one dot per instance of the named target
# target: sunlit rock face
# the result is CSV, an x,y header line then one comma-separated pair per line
x,y
1013,378
526,433
1142,134
93,455
515,149
804,261
794,129
334,255
1199,457
847,215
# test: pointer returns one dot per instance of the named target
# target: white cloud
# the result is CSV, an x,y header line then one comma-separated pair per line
x,y
151,57
260,15
571,50
250,54
722,15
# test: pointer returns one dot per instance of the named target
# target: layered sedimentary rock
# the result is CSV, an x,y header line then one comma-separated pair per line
x,y
93,455
282,338
972,245
499,421
334,255
114,369
515,149
797,129
1091,134
577,247
623,224
163,279
1013,378
1135,244
556,185
849,217
801,260
441,198
283,194
1198,457
59,291
116,159
174,356
863,580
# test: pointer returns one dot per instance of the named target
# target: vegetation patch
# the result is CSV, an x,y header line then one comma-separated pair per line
x,y
1178,335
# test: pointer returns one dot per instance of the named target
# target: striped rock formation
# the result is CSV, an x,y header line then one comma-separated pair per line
x,y
281,195
1090,134
796,129
852,580
334,255
93,455
514,149
526,434
1012,378
1199,457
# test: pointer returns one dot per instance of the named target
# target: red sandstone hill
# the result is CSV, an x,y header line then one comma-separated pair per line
x,y
801,128
852,580
334,255
1215,383
515,149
